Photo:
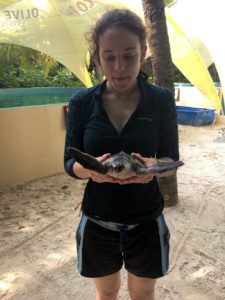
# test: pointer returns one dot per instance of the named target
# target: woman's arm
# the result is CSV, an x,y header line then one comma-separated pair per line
x,y
74,137
168,149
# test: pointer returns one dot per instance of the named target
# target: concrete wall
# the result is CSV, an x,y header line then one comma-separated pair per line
x,y
31,143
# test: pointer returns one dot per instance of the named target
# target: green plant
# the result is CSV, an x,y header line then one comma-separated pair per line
x,y
24,67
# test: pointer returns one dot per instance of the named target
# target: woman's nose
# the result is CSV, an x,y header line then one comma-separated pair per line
x,y
119,64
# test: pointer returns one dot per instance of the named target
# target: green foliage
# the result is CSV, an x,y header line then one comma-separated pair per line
x,y
24,67
168,2
63,77
8,76
13,76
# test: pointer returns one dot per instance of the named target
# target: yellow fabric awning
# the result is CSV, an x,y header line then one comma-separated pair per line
x,y
57,28
190,63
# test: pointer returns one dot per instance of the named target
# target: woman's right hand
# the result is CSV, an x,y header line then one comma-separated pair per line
x,y
102,178
83,173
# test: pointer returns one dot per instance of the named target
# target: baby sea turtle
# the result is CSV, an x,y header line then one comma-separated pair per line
x,y
120,165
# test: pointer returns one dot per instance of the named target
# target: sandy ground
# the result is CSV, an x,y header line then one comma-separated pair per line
x,y
37,221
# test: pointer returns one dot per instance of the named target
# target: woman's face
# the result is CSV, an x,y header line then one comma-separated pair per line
x,y
120,57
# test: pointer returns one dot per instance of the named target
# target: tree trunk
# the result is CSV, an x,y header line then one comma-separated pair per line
x,y
162,68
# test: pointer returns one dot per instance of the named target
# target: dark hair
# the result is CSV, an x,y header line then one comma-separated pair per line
x,y
122,18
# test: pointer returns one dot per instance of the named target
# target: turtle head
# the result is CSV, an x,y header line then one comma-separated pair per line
x,y
118,166
114,165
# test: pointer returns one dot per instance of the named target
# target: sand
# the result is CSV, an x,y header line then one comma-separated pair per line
x,y
38,219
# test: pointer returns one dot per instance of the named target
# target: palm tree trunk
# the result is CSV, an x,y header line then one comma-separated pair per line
x,y
162,68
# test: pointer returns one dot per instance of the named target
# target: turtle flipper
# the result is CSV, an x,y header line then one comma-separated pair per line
x,y
159,168
87,161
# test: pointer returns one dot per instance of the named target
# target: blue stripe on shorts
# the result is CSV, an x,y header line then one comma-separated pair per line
x,y
80,238
163,231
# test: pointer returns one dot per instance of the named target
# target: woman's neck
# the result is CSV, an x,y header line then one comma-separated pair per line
x,y
110,90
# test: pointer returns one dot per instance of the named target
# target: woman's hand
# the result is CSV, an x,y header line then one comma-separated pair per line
x,y
102,178
147,162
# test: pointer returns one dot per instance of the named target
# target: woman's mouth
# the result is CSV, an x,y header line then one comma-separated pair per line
x,y
120,78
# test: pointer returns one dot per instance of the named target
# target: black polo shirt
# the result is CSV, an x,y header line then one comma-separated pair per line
x,y
151,130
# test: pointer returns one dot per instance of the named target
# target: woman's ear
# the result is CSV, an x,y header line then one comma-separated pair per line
x,y
143,53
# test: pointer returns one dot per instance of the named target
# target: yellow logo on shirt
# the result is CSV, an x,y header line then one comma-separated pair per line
x,y
148,119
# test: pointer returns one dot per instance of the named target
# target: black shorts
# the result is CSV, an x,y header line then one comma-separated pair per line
x,y
142,248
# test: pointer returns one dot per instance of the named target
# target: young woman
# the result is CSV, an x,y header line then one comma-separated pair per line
x,y
122,221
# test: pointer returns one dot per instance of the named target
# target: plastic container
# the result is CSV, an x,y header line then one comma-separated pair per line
x,y
195,116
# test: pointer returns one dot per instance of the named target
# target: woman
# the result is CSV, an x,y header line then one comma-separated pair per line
x,y
122,220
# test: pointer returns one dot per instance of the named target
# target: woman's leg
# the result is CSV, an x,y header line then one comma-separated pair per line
x,y
141,288
107,287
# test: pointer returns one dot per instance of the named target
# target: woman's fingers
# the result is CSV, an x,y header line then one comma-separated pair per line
x,y
139,157
103,157
146,161
138,179
101,178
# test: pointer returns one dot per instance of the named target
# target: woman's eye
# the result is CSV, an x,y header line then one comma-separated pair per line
x,y
125,57
110,58
129,57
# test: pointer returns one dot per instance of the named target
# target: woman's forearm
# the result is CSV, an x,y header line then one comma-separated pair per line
x,y
80,171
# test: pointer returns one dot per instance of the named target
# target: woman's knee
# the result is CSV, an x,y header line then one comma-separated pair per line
x,y
141,294
107,288
107,295
141,288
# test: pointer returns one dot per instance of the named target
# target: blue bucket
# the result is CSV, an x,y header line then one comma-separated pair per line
x,y
195,116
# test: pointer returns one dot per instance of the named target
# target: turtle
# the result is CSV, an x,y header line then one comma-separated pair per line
x,y
121,165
